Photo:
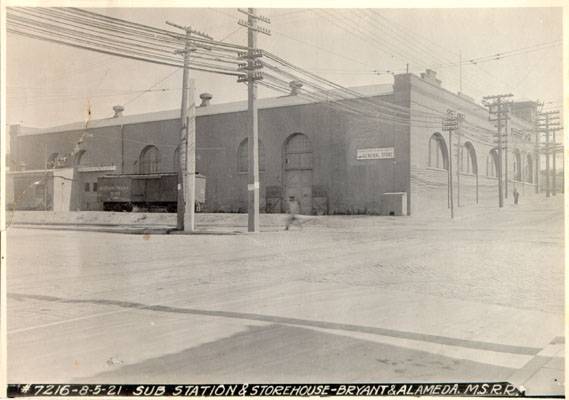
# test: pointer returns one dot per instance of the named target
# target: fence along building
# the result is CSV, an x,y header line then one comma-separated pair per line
x,y
333,161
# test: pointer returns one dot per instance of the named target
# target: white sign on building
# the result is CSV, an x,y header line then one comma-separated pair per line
x,y
379,153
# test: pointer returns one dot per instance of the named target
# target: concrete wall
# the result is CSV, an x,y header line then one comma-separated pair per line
x,y
344,183
350,185
55,190
102,147
429,185
165,135
63,184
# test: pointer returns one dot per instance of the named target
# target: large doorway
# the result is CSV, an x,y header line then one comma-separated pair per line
x,y
298,171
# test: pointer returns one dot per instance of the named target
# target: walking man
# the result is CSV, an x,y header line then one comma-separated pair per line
x,y
293,209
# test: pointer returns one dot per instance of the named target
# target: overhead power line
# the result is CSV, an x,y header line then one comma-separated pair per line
x,y
75,28
109,35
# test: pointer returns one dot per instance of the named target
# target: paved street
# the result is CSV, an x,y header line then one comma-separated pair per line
x,y
344,299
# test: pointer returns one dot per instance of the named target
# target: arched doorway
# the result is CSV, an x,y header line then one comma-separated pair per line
x,y
298,171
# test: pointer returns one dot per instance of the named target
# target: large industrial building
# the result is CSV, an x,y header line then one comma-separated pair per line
x,y
333,161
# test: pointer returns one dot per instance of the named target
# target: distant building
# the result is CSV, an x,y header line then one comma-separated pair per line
x,y
332,160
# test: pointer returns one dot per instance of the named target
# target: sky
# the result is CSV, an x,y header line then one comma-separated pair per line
x,y
50,84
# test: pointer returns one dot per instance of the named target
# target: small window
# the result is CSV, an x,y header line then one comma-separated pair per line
x,y
87,186
94,186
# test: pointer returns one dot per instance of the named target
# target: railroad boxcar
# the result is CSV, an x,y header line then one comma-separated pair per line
x,y
144,192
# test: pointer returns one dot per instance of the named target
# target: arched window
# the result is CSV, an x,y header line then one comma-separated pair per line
x,y
517,165
438,154
469,162
492,163
243,156
149,160
79,157
298,152
529,169
52,160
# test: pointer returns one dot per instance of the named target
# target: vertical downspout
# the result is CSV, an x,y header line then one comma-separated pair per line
x,y
122,148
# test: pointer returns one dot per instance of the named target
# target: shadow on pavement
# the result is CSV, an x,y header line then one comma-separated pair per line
x,y
284,354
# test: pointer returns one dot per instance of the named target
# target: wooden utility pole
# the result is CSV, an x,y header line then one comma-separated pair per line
x,y
496,107
547,171
548,122
187,148
537,145
451,197
450,124
253,64
553,156
458,167
506,172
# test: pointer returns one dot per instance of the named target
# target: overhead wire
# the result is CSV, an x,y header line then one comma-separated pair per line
x,y
211,42
412,42
361,34
446,62
147,47
83,26
66,35
88,38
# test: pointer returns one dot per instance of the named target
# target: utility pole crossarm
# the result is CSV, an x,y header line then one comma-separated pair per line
x,y
248,25
190,30
254,16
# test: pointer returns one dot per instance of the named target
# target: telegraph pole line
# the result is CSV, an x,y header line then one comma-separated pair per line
x,y
554,129
548,123
496,106
185,220
252,65
537,146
